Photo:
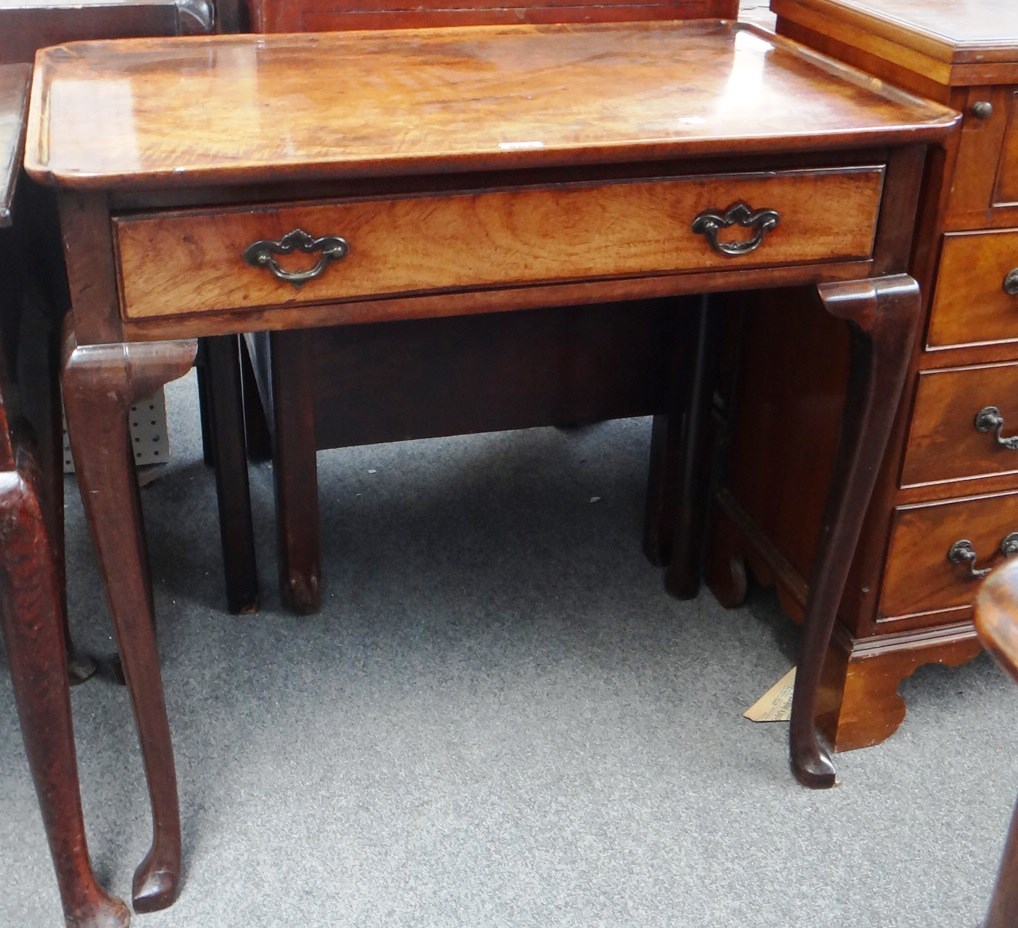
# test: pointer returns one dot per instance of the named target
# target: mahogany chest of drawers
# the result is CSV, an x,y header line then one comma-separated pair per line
x,y
946,506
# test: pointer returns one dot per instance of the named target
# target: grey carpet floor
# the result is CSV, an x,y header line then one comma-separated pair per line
x,y
499,719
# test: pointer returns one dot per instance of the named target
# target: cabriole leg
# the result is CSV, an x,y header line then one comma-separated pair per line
x,y
883,315
100,383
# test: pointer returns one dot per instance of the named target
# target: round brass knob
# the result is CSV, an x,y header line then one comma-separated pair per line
x,y
982,110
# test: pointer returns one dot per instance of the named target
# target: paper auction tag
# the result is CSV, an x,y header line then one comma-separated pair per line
x,y
776,704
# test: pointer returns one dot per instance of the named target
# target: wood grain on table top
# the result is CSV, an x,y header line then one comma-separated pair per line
x,y
229,109
951,30
14,81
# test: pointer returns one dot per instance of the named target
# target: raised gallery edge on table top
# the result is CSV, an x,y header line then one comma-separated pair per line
x,y
14,83
248,109
958,31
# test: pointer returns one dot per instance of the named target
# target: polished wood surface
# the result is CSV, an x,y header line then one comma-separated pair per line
x,y
957,42
943,441
101,383
920,580
970,304
331,15
1007,182
488,239
622,86
557,95
14,83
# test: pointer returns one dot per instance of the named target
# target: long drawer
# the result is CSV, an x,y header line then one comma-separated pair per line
x,y
961,424
920,578
499,238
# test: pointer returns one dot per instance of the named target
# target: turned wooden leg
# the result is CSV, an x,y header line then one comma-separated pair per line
x,y
31,616
691,456
295,468
100,384
225,411
883,316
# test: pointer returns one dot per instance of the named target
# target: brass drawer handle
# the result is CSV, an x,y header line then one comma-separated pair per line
x,y
710,222
331,248
989,419
962,552
1011,282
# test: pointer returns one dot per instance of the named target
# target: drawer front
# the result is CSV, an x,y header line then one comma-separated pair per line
x,y
976,298
984,184
919,577
1007,179
957,419
193,261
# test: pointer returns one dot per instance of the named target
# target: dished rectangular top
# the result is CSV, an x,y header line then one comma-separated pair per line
x,y
955,31
238,109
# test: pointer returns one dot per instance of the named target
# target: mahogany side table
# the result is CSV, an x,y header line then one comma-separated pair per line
x,y
344,179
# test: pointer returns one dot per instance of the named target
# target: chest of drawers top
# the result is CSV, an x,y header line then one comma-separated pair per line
x,y
250,109
951,43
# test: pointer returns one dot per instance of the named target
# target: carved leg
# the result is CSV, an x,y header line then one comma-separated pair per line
x,y
33,630
100,384
883,315
225,411
693,461
295,468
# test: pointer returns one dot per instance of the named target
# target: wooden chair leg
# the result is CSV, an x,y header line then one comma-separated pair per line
x,y
100,384
225,410
883,316
30,613
295,469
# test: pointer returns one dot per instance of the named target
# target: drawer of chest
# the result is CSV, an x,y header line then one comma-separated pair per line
x,y
976,296
962,424
1006,191
938,549
210,260
984,184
